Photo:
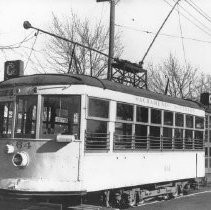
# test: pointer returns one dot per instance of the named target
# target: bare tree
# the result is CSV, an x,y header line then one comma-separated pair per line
x,y
183,81
66,57
203,84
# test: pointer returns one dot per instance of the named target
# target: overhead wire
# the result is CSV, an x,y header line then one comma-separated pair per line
x,y
13,47
102,10
162,34
181,34
18,44
196,19
158,32
198,9
199,24
189,20
32,48
5,56
174,36
39,63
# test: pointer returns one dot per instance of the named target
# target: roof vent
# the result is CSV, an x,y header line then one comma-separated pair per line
x,y
13,69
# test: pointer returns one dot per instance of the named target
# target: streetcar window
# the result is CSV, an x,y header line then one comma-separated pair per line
x,y
155,131
167,138
206,121
124,112
179,119
209,122
98,108
61,115
178,138
154,137
199,122
198,143
123,128
188,139
156,116
206,136
142,114
96,126
188,134
168,118
189,121
141,131
123,136
209,136
6,116
206,151
141,136
96,135
26,117
206,162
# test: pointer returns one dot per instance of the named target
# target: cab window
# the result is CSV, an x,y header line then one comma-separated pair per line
x,y
26,117
6,116
60,115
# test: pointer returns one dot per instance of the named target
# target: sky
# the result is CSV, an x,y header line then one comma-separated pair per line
x,y
136,20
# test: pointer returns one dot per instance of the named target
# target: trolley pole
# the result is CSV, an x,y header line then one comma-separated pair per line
x,y
111,37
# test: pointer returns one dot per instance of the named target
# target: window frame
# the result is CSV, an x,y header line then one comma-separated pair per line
x,y
12,102
175,118
25,136
123,120
193,121
161,117
107,120
50,136
136,115
119,139
95,117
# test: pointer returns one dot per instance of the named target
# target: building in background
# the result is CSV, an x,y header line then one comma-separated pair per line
x,y
208,140
206,100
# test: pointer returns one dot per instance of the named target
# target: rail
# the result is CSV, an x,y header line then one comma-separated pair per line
x,y
130,142
44,206
100,141
97,141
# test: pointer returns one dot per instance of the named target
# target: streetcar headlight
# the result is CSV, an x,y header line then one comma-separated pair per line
x,y
20,159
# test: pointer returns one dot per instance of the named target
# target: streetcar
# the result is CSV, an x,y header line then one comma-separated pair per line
x,y
74,135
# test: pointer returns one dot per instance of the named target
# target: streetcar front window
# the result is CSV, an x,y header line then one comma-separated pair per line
x,y
6,116
26,117
60,115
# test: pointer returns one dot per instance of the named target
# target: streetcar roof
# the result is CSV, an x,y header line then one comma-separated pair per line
x,y
72,79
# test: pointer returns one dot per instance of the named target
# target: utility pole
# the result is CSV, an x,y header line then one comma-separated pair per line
x,y
111,37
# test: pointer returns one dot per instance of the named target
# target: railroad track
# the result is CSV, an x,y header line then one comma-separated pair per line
x,y
44,206
85,207
50,206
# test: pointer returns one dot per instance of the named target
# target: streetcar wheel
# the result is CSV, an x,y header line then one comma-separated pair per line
x,y
176,193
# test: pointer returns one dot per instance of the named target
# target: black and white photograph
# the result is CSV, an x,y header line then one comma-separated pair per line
x,y
105,105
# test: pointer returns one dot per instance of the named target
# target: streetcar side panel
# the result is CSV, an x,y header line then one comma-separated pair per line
x,y
117,170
